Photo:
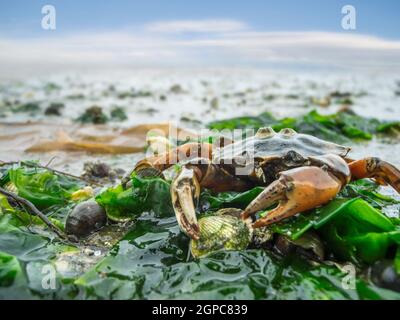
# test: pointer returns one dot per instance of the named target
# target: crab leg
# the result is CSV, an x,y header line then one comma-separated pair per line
x,y
295,191
185,189
180,154
378,169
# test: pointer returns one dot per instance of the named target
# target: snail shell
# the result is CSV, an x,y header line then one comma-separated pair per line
x,y
383,274
220,232
85,218
309,246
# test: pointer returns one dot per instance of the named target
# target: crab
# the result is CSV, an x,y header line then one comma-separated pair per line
x,y
299,172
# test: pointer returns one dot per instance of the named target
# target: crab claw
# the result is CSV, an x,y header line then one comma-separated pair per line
x,y
184,190
295,191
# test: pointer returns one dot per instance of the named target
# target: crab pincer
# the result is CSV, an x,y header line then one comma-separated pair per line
x,y
295,191
185,190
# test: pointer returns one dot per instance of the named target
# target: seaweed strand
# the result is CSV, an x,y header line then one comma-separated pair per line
x,y
35,211
4,163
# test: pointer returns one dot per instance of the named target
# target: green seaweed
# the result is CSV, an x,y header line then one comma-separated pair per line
x,y
213,202
118,114
25,256
144,195
339,127
150,263
264,119
152,260
93,115
40,186
31,107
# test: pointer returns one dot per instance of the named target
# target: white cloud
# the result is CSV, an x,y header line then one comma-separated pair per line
x,y
221,44
200,26
291,39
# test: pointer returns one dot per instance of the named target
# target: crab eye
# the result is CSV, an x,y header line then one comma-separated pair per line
x,y
265,132
287,132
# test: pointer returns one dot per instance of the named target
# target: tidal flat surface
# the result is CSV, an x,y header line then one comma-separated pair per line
x,y
187,98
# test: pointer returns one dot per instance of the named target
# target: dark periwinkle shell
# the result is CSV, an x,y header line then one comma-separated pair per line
x,y
85,218
383,274
309,246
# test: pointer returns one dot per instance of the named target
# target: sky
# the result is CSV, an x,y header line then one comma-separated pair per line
x,y
156,33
